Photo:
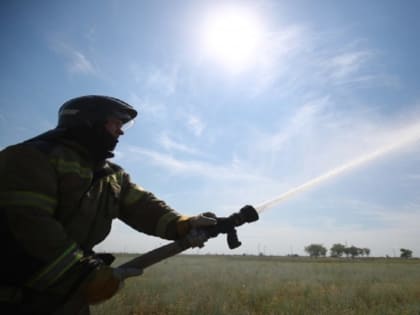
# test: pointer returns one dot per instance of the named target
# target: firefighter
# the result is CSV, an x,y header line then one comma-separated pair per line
x,y
58,196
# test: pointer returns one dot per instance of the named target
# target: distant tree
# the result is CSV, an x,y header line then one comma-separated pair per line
x,y
366,252
406,253
347,251
353,251
337,250
316,250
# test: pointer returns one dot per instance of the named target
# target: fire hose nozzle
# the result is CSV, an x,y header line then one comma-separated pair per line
x,y
227,225
249,214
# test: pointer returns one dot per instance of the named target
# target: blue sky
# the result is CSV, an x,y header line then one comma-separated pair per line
x,y
312,86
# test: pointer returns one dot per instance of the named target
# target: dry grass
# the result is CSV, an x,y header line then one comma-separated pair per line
x,y
247,285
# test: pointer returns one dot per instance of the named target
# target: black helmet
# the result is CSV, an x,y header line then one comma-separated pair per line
x,y
92,109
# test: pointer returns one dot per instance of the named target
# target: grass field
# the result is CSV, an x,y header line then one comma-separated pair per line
x,y
246,285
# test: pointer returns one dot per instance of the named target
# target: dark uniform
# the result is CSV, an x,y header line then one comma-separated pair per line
x,y
56,204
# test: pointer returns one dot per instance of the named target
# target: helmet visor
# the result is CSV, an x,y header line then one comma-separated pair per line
x,y
126,120
128,125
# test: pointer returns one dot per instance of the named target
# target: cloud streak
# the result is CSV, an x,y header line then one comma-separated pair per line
x,y
346,64
170,144
153,78
195,124
304,117
77,61
194,167
164,81
299,58
279,48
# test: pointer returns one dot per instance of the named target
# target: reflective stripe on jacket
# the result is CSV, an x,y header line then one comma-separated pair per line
x,y
54,206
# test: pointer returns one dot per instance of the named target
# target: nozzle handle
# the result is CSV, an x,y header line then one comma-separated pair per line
x,y
232,239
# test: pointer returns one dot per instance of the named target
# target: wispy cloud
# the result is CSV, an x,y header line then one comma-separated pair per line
x,y
153,78
305,117
346,64
150,109
80,64
77,61
194,167
170,144
299,58
320,139
195,124
163,80
275,54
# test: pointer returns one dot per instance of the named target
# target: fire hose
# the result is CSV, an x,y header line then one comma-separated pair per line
x,y
224,225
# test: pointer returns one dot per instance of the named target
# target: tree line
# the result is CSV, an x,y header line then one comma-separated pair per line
x,y
340,250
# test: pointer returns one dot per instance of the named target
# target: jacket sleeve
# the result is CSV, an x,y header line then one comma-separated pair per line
x,y
28,201
146,213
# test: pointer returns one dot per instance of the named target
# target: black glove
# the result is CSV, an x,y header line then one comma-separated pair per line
x,y
205,219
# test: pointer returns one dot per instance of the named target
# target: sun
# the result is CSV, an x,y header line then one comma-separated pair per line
x,y
232,36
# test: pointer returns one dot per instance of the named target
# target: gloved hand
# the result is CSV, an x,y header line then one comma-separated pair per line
x,y
196,236
187,224
104,282
203,220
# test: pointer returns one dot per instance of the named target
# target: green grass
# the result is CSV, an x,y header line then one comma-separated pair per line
x,y
246,285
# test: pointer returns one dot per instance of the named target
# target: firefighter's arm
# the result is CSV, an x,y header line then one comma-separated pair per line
x,y
145,212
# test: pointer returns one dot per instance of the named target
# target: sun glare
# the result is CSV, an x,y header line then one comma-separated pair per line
x,y
232,36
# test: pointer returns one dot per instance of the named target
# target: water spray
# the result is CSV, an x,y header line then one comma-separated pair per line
x,y
407,136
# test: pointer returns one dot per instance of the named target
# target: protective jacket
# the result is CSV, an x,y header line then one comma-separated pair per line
x,y
55,205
